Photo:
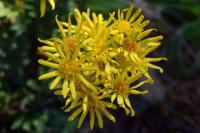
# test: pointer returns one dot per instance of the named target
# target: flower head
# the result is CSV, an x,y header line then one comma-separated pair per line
x,y
98,61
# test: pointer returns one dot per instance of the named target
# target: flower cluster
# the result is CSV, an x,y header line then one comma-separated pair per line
x,y
98,63
43,6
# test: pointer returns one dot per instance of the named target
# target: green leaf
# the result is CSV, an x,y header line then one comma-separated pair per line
x,y
26,126
17,123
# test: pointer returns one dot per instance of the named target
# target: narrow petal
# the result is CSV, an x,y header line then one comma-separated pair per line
x,y
73,90
65,88
88,20
60,27
156,59
127,101
136,14
120,100
52,57
75,103
85,101
152,39
47,49
136,92
48,75
42,7
107,114
92,119
58,92
59,50
94,17
129,12
48,64
47,42
67,102
99,118
144,23
86,83
55,82
52,2
140,84
144,34
155,67
83,115
113,97
77,15
75,114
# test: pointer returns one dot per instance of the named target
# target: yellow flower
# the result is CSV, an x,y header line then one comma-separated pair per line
x,y
87,102
43,6
120,89
135,44
125,22
66,61
98,60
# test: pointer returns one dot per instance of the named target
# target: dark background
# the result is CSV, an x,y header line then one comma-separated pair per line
x,y
173,102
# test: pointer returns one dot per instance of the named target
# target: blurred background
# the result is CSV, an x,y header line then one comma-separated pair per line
x,y
173,102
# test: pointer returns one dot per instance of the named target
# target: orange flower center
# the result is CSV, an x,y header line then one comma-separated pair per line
x,y
130,45
121,88
67,69
71,44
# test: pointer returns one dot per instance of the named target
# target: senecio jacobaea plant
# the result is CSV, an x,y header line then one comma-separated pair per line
x,y
98,63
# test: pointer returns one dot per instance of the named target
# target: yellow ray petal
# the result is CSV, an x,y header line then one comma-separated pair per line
x,y
86,83
152,39
52,57
85,101
88,20
135,15
120,100
52,2
60,27
136,92
48,64
99,118
144,34
113,97
155,67
73,90
75,114
55,82
48,75
107,114
156,59
47,48
42,7
140,84
47,42
92,119
129,12
83,115
77,15
65,88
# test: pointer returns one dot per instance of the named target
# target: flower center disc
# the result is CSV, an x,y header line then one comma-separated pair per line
x,y
67,69
121,88
123,26
130,45
71,43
